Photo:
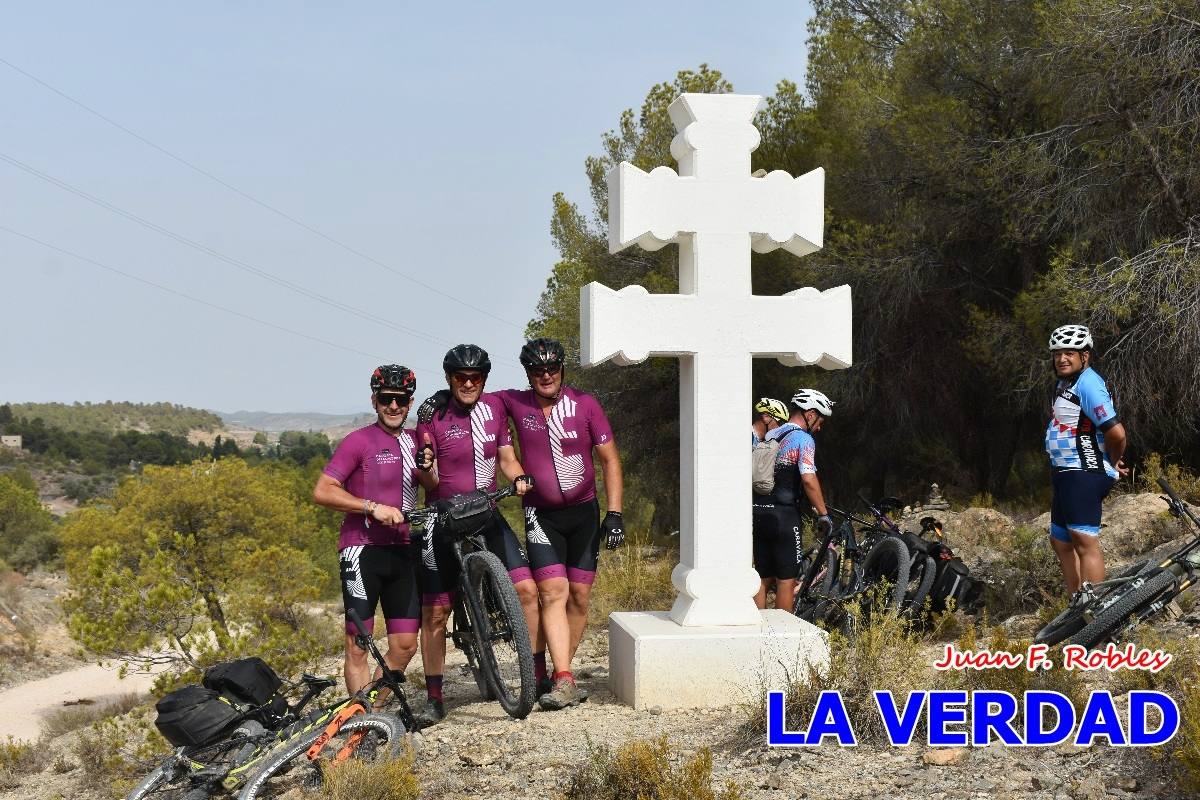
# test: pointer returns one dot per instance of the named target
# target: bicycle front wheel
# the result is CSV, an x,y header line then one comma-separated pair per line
x,y
500,630
888,564
463,634
159,786
365,737
1110,620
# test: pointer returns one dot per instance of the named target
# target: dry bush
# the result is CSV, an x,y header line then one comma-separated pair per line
x,y
634,578
1185,483
115,752
388,779
18,757
646,770
1026,577
72,718
886,653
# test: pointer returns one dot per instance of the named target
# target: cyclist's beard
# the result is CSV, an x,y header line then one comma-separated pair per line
x,y
387,426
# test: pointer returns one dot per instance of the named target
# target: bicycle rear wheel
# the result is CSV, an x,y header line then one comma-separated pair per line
x,y
1073,618
499,622
811,605
463,634
159,786
1110,620
887,563
920,581
365,737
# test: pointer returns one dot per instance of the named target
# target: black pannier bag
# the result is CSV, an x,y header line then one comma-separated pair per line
x,y
954,582
248,680
467,513
195,716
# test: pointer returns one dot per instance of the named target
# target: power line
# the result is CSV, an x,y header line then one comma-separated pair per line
x,y
186,296
242,265
261,203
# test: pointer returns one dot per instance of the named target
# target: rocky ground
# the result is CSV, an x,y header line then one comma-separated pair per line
x,y
478,751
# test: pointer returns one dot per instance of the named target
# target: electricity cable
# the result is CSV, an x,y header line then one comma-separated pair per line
x,y
261,203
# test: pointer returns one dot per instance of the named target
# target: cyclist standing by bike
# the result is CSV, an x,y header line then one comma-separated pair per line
x,y
471,438
1085,443
373,477
768,415
778,542
558,427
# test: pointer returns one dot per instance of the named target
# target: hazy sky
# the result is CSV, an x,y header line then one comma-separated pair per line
x,y
428,137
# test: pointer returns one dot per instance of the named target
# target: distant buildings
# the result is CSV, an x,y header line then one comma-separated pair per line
x,y
11,441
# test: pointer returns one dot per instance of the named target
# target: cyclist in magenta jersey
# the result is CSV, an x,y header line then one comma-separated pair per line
x,y
1085,443
557,428
471,439
373,477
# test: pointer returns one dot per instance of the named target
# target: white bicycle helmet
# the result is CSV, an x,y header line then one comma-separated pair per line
x,y
805,399
1070,337
769,405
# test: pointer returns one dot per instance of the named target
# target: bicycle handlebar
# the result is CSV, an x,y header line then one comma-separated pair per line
x,y
422,516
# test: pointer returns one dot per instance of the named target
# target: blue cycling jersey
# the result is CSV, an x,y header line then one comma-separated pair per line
x,y
797,450
1081,412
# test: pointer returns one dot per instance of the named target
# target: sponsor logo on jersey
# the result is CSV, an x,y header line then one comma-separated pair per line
x,y
454,432
1087,453
530,422
386,456
1100,411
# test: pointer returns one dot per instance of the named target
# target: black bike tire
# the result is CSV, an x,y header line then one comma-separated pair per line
x,y
470,646
386,724
889,546
1071,621
820,592
481,566
1111,618
915,604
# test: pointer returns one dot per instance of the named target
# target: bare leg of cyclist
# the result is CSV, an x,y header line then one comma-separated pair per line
x,y
433,638
785,594
760,597
1091,559
527,593
577,612
555,633
1069,562
356,670
401,648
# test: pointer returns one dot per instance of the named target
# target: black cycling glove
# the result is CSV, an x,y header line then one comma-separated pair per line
x,y
437,402
824,525
421,451
613,529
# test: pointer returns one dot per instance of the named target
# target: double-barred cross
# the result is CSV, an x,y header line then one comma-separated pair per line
x,y
717,212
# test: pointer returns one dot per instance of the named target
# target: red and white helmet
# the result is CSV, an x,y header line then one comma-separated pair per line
x,y
1070,337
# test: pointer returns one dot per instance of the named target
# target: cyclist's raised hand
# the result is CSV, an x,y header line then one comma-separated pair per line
x,y
613,529
436,403
522,483
425,455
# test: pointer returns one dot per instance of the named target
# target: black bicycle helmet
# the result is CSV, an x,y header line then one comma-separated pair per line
x,y
393,378
467,356
542,352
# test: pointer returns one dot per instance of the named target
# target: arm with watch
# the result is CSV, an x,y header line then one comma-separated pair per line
x,y
330,493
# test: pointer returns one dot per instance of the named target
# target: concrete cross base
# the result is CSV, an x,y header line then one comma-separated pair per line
x,y
654,661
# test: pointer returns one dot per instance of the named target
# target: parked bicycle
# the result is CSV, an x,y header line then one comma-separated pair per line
x,y
922,563
350,729
488,622
200,770
1107,611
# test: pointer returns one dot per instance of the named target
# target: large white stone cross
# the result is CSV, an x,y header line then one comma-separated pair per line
x,y
717,212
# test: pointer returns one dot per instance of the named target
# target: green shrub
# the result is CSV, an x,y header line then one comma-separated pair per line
x,y
646,770
72,718
390,779
1027,577
19,757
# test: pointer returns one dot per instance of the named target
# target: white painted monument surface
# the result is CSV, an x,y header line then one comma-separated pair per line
x,y
716,212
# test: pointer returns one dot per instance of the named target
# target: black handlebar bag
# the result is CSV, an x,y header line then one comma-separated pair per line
x,y
249,680
466,514
195,716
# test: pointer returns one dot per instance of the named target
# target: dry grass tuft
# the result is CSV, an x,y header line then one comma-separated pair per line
x,y
388,779
646,770
633,578
72,718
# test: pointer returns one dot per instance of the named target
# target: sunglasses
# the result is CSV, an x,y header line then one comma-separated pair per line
x,y
385,399
464,378
549,369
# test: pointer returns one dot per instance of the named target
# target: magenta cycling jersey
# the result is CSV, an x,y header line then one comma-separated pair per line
x,y
375,465
467,444
557,450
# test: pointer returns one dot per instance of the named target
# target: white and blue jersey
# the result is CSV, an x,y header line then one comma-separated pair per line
x,y
1081,412
797,452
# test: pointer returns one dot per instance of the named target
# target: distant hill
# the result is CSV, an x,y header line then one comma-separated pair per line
x,y
113,417
275,422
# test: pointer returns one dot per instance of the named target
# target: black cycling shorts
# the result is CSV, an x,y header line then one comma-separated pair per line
x,y
383,574
778,542
440,569
564,542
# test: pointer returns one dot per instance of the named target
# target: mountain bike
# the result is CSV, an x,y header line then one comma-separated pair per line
x,y
199,772
488,621
329,736
1106,611
922,565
